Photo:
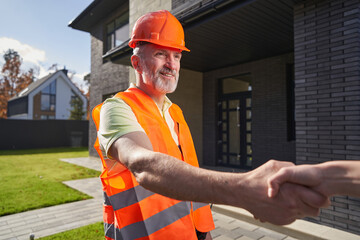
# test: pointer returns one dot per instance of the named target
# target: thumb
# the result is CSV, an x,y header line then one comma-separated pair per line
x,y
274,182
273,189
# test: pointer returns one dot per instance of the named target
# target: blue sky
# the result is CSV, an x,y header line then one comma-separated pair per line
x,y
38,30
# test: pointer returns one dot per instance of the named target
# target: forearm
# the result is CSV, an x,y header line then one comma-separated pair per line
x,y
174,178
329,178
340,178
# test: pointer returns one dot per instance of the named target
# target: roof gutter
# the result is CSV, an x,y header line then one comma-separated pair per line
x,y
86,11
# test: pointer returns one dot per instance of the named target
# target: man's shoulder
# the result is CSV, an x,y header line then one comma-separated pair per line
x,y
114,103
113,100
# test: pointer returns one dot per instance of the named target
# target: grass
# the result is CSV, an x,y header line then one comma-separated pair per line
x,y
94,232
32,179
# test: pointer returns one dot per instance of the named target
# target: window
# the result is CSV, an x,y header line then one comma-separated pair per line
x,y
48,95
117,31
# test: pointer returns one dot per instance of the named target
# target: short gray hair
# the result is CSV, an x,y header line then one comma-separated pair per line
x,y
137,51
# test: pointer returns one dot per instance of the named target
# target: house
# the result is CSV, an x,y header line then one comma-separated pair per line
x,y
46,98
264,79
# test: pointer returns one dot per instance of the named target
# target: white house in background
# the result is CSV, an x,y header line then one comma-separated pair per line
x,y
46,98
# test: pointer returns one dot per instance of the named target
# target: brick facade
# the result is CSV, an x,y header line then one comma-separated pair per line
x,y
327,93
106,77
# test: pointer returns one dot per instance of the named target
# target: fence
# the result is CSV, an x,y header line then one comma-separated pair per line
x,y
27,134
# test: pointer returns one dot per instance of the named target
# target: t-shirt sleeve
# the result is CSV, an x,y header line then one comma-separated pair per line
x,y
116,120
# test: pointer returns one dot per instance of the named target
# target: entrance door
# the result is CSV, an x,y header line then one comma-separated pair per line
x,y
234,130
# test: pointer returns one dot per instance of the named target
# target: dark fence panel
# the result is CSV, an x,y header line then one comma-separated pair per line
x,y
27,134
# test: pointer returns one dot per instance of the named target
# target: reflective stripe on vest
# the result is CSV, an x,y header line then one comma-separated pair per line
x,y
140,213
152,224
197,205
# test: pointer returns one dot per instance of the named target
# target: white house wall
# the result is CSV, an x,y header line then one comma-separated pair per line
x,y
63,97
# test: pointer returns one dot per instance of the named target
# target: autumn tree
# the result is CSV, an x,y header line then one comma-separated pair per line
x,y
12,79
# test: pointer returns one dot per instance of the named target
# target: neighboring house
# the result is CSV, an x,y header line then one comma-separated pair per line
x,y
46,98
264,79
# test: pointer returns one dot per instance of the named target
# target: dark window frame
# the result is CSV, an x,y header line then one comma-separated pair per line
x,y
111,29
49,91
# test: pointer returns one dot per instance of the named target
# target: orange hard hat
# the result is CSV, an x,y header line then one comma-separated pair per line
x,y
160,28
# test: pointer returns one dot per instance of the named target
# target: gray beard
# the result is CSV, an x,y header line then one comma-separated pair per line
x,y
159,83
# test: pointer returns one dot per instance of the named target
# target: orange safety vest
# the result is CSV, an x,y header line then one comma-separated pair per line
x,y
131,211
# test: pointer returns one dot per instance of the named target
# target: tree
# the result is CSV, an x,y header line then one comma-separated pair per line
x,y
12,80
76,112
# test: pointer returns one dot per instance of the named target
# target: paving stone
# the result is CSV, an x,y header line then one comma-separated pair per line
x,y
251,234
246,226
24,231
290,238
215,233
5,232
267,238
8,236
236,233
218,231
3,228
223,237
245,238
270,233
3,223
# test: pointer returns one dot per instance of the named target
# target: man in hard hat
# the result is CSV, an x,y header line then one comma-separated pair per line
x,y
153,186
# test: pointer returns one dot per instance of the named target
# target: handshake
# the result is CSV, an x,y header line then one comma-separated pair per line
x,y
293,192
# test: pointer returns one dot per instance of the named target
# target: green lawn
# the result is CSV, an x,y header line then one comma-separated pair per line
x,y
93,232
31,179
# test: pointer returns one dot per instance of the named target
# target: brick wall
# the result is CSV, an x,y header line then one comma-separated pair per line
x,y
269,112
327,93
106,77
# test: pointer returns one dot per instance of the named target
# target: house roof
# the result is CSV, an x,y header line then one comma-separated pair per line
x,y
37,84
97,10
222,33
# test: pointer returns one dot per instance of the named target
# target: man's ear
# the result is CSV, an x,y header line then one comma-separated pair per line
x,y
135,61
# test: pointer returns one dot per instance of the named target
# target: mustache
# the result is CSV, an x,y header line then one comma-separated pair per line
x,y
167,70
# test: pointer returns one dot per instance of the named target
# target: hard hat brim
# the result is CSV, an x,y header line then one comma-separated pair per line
x,y
132,44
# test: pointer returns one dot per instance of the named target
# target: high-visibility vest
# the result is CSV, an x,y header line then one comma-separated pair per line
x,y
131,211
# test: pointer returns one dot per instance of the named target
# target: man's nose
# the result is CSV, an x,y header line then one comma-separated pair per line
x,y
171,62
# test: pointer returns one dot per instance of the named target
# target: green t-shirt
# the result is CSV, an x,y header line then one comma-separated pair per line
x,y
117,119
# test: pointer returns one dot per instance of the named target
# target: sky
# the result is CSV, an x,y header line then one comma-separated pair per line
x,y
38,30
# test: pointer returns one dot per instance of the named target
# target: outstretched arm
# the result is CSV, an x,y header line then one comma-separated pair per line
x,y
330,178
173,178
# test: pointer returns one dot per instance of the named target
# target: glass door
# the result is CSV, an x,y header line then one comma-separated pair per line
x,y
234,129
